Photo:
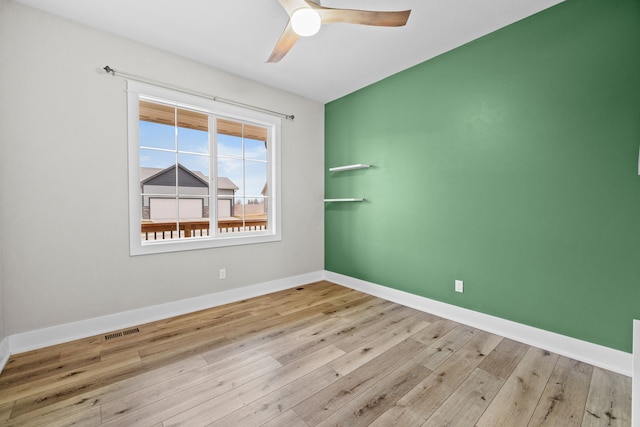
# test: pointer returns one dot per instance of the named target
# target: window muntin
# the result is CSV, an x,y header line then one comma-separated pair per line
x,y
205,177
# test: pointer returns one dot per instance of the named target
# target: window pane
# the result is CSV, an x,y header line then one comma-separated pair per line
x,y
193,141
255,208
193,135
255,178
193,181
157,125
255,150
190,119
197,168
156,159
230,173
157,113
157,135
230,146
249,214
257,133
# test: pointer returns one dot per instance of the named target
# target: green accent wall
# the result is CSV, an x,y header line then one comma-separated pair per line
x,y
510,163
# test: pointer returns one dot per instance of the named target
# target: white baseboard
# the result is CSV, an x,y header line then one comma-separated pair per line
x,y
40,338
4,352
594,354
635,400
597,355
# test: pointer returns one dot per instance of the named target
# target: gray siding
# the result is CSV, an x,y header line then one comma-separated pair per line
x,y
168,178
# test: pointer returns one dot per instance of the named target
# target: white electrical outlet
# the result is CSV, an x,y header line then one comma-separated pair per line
x,y
223,273
459,286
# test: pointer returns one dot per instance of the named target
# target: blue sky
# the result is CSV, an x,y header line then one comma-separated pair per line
x,y
193,153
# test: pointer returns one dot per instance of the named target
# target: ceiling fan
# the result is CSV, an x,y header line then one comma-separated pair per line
x,y
306,16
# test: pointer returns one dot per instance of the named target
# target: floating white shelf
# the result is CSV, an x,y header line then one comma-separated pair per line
x,y
349,167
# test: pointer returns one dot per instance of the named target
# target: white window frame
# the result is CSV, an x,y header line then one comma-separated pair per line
x,y
219,110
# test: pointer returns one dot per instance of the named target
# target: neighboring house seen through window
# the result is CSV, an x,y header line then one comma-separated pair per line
x,y
201,174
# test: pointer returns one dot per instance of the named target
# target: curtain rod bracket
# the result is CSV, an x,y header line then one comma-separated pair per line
x,y
111,71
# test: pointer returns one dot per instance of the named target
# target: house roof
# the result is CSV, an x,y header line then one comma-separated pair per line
x,y
225,183
149,174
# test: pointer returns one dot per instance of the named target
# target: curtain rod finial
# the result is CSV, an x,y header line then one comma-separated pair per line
x,y
109,70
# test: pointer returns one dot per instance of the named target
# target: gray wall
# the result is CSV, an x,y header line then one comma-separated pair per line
x,y
2,156
63,178
2,301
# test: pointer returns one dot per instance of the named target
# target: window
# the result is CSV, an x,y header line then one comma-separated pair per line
x,y
201,174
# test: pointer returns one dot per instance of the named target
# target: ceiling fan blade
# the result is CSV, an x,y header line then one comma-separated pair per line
x,y
285,43
363,17
291,5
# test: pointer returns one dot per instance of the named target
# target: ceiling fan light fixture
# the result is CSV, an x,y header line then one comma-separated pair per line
x,y
305,21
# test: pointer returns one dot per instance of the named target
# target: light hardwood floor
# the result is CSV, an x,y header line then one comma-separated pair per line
x,y
318,355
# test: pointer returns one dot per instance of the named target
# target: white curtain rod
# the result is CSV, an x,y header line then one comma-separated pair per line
x,y
113,72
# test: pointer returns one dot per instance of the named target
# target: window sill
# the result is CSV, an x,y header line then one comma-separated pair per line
x,y
138,248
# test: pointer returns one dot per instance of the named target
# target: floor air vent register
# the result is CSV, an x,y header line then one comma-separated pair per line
x,y
121,333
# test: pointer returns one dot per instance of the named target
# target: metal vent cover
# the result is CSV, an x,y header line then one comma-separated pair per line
x,y
121,333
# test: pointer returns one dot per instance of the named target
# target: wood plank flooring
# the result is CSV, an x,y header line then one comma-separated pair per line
x,y
317,355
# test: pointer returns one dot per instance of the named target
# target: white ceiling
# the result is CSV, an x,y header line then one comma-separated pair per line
x,y
238,36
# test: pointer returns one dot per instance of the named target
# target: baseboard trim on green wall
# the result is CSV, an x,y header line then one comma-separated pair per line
x,y
597,355
635,403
